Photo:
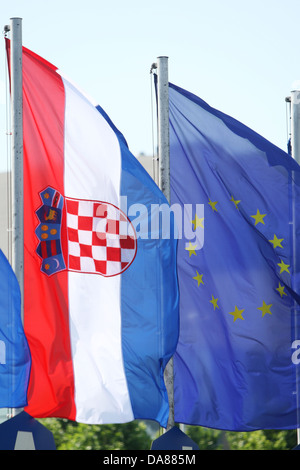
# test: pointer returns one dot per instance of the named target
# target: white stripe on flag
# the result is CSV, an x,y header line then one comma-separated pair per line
x,y
93,172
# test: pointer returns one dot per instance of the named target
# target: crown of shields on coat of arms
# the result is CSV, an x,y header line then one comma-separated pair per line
x,y
85,236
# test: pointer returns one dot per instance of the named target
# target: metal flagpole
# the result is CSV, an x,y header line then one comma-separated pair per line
x,y
164,184
17,157
17,153
163,125
295,146
295,124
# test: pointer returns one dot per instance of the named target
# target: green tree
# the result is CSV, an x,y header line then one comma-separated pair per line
x,y
206,439
262,440
69,435
210,439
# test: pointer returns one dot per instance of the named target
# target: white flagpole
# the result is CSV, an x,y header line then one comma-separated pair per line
x,y
295,146
17,158
164,184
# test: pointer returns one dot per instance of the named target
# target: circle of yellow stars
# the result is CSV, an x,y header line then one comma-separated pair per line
x,y
258,218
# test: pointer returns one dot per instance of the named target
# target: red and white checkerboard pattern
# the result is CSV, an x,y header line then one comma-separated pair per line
x,y
101,239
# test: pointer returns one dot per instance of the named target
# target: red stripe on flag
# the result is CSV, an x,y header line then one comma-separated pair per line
x,y
46,318
44,250
53,248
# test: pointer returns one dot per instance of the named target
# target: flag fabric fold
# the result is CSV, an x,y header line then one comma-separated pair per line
x,y
14,351
239,287
101,295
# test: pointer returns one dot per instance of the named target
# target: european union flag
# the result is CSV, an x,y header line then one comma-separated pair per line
x,y
15,358
239,287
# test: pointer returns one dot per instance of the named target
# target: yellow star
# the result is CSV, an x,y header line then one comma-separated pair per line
x,y
237,313
283,267
199,278
213,205
259,218
280,289
265,308
276,241
191,249
214,302
235,202
197,222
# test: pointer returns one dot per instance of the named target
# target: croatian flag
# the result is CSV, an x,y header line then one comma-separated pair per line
x,y
101,296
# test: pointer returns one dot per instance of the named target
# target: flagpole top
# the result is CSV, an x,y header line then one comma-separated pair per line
x,y
153,67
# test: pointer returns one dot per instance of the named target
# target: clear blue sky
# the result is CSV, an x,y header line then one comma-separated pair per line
x,y
242,57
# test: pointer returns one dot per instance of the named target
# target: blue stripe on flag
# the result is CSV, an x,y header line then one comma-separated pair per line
x,y
14,352
149,297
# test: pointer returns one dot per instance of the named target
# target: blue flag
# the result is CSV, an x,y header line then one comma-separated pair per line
x,y
14,352
236,364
